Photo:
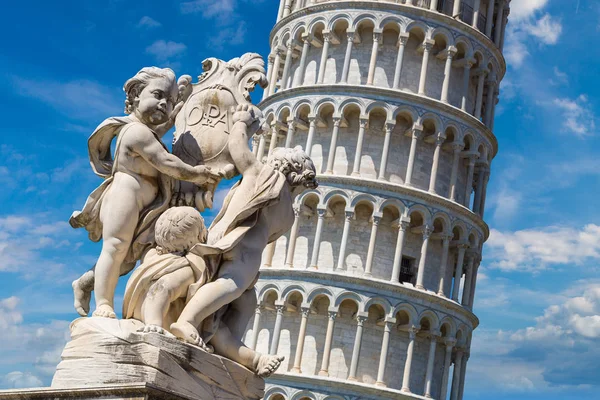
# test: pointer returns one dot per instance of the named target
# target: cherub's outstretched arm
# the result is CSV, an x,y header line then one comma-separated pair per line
x,y
245,124
143,143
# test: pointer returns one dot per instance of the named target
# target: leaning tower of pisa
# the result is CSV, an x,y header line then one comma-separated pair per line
x,y
370,295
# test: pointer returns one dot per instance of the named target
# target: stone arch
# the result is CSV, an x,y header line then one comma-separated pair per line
x,y
384,303
351,102
299,28
445,33
319,291
288,291
281,110
395,203
336,20
268,289
442,216
464,41
304,394
417,25
361,18
363,197
434,320
314,24
318,107
273,392
410,310
300,200
378,105
302,103
392,19
335,193
347,295
437,122
423,211
450,327
406,110
461,228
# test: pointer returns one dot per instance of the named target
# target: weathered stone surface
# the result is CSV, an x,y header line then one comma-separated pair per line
x,y
111,352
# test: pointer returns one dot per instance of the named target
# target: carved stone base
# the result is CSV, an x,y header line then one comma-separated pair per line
x,y
111,352
141,391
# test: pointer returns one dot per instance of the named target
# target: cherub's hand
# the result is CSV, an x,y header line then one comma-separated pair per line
x,y
207,176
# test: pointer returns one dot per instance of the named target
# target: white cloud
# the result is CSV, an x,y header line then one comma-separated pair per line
x,y
209,8
560,351
148,22
546,29
534,250
79,99
164,50
578,115
524,9
20,380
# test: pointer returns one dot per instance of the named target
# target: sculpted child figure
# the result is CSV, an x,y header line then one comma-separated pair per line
x,y
257,211
138,185
170,274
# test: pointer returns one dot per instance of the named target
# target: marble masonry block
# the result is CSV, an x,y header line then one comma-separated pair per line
x,y
106,351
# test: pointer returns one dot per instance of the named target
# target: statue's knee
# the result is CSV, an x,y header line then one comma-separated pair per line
x,y
115,246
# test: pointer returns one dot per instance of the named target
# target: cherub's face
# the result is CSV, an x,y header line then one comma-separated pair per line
x,y
155,103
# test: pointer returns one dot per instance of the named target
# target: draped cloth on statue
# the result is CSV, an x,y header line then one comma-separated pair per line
x,y
104,166
269,190
154,267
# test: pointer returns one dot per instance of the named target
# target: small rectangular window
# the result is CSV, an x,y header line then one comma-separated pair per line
x,y
406,270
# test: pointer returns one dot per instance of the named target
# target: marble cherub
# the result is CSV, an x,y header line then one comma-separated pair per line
x,y
257,211
170,274
138,183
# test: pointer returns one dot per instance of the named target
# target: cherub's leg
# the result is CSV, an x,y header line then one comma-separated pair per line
x,y
227,345
84,285
160,296
240,313
236,276
119,217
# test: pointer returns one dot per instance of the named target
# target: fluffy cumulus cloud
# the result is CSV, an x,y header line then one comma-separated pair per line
x,y
38,345
533,250
148,22
165,50
578,115
529,26
561,351
209,8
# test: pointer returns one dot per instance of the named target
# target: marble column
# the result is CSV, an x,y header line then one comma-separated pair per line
x,y
301,337
447,362
466,81
317,245
275,75
427,46
439,141
462,248
479,99
274,134
433,337
498,25
503,34
433,5
287,8
423,258
468,279
444,265
456,149
289,259
402,227
260,153
479,189
349,214
484,195
348,56
402,40
469,186
489,107
456,376
474,284
269,75
291,131
490,18
328,341
281,7
386,150
333,145
255,327
357,344
312,121
359,145
269,253
449,54
417,133
372,241
456,9
299,78
385,344
476,10
324,57
463,373
289,55
277,328
412,334
373,61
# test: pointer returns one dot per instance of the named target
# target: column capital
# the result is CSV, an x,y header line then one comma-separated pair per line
x,y
349,214
412,331
427,44
447,53
305,310
457,147
417,131
364,121
440,140
389,126
321,212
360,319
337,121
376,218
402,223
435,335
332,313
403,38
279,308
450,343
427,231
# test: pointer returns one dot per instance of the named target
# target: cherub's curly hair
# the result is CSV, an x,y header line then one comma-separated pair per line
x,y
296,165
134,86
178,229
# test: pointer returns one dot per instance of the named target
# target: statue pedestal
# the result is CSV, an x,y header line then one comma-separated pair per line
x,y
105,355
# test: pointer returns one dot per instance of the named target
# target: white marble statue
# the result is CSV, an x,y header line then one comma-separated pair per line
x,y
257,211
138,183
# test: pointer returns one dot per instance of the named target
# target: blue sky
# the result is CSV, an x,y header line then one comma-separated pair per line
x,y
538,297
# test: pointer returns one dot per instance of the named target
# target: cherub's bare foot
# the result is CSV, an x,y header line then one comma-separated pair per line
x,y
155,329
267,365
82,299
105,311
189,334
